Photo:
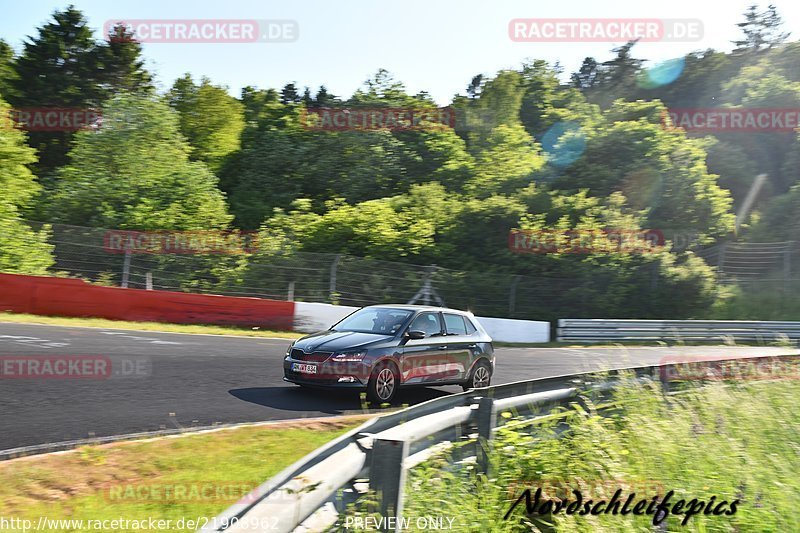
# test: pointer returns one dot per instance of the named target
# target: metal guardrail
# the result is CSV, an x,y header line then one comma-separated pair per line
x,y
599,330
311,494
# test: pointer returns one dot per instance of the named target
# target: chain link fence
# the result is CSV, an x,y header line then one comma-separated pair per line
x,y
85,253
346,280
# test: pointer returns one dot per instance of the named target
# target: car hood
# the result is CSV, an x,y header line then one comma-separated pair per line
x,y
338,341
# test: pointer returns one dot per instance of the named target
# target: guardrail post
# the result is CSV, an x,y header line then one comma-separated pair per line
x,y
487,419
387,477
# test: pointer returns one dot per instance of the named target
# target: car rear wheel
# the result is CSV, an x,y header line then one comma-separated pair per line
x,y
480,377
383,383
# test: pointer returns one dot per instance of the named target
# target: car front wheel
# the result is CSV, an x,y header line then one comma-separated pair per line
x,y
383,383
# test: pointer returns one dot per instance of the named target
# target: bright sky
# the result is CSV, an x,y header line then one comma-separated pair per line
x,y
433,45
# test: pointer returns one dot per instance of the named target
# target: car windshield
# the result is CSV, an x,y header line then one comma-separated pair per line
x,y
381,321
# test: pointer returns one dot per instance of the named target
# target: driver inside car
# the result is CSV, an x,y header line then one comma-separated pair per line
x,y
387,323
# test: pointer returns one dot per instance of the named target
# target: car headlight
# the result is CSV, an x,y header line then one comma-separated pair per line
x,y
350,357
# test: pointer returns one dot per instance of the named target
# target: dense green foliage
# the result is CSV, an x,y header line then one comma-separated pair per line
x,y
210,119
527,150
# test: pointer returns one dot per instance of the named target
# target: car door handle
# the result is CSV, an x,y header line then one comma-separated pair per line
x,y
472,346
442,347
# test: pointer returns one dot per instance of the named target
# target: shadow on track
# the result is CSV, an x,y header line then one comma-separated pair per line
x,y
328,401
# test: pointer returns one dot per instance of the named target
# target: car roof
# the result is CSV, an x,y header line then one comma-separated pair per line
x,y
419,308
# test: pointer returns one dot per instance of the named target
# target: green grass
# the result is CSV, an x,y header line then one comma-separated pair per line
x,y
146,326
740,442
122,480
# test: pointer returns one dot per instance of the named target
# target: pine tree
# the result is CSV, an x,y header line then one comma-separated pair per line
x,y
64,67
474,88
308,100
587,75
324,98
762,30
289,94
120,66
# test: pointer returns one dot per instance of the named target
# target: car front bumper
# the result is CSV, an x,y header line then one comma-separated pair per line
x,y
328,374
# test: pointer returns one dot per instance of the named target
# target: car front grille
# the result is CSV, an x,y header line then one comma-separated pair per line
x,y
316,357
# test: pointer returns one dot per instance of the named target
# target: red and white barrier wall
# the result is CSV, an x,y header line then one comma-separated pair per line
x,y
42,295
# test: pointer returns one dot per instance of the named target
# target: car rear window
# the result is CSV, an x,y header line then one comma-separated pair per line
x,y
455,324
470,326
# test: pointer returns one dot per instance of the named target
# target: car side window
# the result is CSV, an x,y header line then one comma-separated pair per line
x,y
427,322
455,324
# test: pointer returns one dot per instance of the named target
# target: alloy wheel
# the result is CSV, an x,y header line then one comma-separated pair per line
x,y
384,385
481,378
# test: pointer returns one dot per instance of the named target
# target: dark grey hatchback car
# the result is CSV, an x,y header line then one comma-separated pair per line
x,y
383,347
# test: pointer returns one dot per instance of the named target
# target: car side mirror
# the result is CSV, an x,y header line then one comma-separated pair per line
x,y
415,334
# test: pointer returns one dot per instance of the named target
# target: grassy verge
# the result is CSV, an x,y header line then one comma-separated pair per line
x,y
175,478
732,443
146,326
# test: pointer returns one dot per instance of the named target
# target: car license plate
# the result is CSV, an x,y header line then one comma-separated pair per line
x,y
304,369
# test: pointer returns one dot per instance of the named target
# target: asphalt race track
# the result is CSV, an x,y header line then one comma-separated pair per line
x,y
168,380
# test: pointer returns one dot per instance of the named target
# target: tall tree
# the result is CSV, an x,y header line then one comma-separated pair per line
x,y
22,250
262,108
135,173
7,73
474,87
324,98
761,29
657,170
587,76
617,78
289,94
119,64
499,103
63,66
307,99
383,89
507,162
56,69
210,119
